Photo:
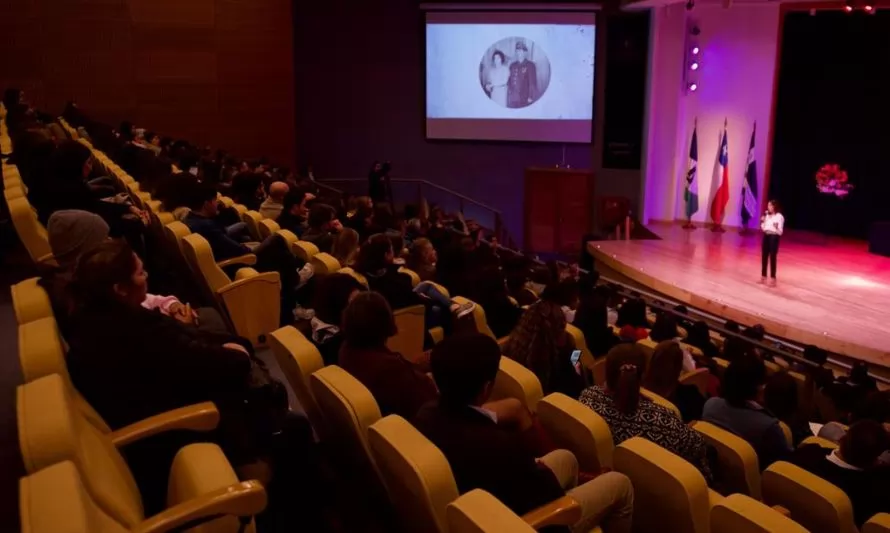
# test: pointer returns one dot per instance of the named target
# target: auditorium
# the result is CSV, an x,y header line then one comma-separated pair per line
x,y
445,267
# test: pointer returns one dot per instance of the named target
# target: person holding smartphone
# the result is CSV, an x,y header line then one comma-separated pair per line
x,y
772,223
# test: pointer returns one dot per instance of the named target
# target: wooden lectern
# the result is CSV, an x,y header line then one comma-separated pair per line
x,y
558,209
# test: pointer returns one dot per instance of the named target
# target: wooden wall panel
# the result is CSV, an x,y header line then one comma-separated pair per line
x,y
216,72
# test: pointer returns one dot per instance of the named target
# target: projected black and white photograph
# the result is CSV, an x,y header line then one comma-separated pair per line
x,y
514,72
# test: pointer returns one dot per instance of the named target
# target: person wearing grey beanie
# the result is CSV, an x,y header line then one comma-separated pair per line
x,y
72,233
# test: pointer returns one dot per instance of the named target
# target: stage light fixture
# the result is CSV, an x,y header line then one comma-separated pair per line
x,y
694,66
868,8
693,87
848,8
695,50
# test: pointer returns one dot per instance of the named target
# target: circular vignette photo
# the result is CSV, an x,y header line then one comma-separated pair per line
x,y
514,72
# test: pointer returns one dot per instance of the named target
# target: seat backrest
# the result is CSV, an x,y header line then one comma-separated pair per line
x,y
324,264
579,340
358,277
742,514
42,354
700,378
479,317
417,474
516,381
51,430
267,227
298,358
667,489
415,277
577,428
662,401
30,231
175,232
879,523
479,512
825,443
54,500
30,301
252,220
814,503
738,469
200,257
408,339
348,409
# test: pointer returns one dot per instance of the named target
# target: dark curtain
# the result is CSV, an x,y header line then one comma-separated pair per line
x,y
833,107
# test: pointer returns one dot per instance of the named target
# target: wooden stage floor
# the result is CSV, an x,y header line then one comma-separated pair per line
x,y
830,292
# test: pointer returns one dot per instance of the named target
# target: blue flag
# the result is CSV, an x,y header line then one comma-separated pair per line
x,y
749,188
690,195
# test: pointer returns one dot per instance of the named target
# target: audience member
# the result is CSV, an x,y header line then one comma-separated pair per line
x,y
422,259
633,313
484,455
202,220
375,262
853,468
664,328
592,318
780,397
346,246
662,378
247,190
333,293
629,415
740,410
360,217
699,336
323,226
541,344
399,386
490,291
274,203
295,211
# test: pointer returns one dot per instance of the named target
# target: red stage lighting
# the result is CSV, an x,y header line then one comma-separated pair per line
x,y
868,8
848,8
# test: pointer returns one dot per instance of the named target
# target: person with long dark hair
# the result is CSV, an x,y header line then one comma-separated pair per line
x,y
772,223
629,414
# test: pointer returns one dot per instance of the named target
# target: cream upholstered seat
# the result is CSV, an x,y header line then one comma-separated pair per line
x,y
30,301
738,468
348,409
252,220
814,503
55,500
324,264
660,400
421,485
579,340
30,231
408,339
51,431
479,512
667,489
267,227
358,277
175,232
415,277
42,354
577,428
825,443
478,316
304,250
879,523
516,381
251,300
298,359
742,514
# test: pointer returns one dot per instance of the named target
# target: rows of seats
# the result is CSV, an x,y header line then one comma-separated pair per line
x,y
75,466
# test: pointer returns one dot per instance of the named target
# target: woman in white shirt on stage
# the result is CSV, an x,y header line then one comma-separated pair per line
x,y
772,223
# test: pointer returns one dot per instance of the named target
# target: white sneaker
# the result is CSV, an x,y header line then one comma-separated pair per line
x,y
301,313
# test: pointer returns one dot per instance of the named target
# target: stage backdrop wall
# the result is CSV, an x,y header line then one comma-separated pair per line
x,y
833,108
360,97
215,72
735,82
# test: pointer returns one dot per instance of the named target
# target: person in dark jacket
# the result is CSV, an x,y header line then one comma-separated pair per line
x,y
854,468
323,225
295,211
204,206
333,293
375,262
399,386
484,455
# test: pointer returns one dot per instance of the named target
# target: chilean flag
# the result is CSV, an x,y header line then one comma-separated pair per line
x,y
721,176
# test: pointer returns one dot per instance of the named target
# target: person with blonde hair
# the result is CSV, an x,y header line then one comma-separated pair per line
x,y
629,414
345,246
540,343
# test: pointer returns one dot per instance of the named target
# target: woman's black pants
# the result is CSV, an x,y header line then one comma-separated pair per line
x,y
770,251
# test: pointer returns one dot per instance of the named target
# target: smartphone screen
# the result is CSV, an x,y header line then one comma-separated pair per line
x,y
576,356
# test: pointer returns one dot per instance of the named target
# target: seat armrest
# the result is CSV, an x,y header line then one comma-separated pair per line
x,y
437,334
782,511
198,417
244,499
564,511
246,259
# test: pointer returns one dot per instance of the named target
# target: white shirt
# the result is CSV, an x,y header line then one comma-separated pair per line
x,y
833,457
773,224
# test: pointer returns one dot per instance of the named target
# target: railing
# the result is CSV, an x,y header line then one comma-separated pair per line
x,y
408,191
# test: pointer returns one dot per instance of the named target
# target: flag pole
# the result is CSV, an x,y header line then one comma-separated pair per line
x,y
718,226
